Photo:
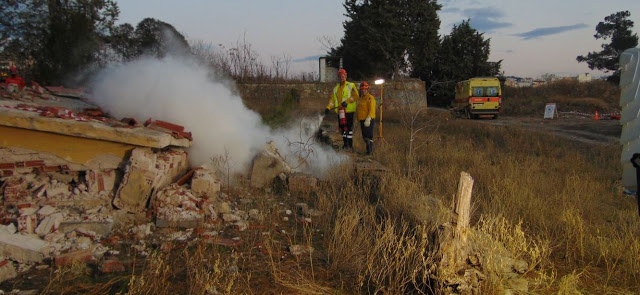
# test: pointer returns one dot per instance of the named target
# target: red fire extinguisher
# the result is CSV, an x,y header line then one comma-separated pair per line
x,y
342,119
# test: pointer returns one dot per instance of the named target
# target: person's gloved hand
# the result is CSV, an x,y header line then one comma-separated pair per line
x,y
367,122
326,112
344,104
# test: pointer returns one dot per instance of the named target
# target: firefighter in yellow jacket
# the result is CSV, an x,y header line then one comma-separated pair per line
x,y
343,100
366,114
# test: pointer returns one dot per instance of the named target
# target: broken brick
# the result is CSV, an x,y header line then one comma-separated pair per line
x,y
111,266
80,256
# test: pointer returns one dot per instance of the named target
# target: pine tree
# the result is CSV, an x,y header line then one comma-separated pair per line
x,y
618,28
463,54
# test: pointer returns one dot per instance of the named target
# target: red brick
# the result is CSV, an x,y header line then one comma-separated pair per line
x,y
35,163
7,165
167,125
51,168
226,242
80,256
111,265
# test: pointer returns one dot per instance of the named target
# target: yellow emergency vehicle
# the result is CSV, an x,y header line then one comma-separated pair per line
x,y
478,97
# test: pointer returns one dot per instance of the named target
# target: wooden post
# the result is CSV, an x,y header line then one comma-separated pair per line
x,y
462,205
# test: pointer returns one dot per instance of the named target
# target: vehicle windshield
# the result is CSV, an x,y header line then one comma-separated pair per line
x,y
485,91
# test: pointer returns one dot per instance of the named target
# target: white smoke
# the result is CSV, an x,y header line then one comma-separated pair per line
x,y
181,91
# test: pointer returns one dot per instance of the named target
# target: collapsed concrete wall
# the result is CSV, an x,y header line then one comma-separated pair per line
x,y
69,173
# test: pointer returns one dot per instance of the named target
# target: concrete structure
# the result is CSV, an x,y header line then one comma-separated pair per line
x,y
329,73
585,77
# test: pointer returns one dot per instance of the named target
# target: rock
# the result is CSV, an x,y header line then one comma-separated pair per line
x,y
99,181
204,184
148,172
520,266
302,183
142,231
49,224
23,249
177,206
297,250
102,228
267,165
80,256
254,214
111,265
231,217
27,223
223,208
7,270
46,210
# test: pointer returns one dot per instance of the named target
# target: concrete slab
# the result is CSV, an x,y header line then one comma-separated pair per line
x,y
23,248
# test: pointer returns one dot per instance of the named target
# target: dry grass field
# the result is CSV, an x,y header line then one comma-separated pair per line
x,y
551,201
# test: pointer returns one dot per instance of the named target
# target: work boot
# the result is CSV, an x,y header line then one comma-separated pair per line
x,y
369,147
345,143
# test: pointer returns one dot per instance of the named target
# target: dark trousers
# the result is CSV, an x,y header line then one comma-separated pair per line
x,y
347,131
367,135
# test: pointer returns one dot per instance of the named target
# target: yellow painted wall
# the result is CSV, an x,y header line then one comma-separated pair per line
x,y
71,148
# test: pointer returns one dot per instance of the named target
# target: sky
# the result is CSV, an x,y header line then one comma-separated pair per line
x,y
531,37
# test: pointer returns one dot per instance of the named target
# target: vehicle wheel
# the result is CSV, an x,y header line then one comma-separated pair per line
x,y
467,114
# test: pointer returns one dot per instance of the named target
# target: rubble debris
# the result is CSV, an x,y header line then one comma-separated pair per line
x,y
204,183
146,172
79,256
177,206
7,270
267,166
111,265
23,248
302,183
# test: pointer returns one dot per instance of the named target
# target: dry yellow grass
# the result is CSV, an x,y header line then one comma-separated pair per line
x,y
554,203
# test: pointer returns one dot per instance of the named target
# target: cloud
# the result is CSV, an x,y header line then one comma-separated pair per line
x,y
540,32
486,19
308,58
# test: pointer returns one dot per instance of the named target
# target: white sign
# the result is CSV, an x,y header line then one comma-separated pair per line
x,y
550,111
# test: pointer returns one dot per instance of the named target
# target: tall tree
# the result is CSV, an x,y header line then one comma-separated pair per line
x,y
157,38
375,38
54,37
387,38
463,54
618,28
424,40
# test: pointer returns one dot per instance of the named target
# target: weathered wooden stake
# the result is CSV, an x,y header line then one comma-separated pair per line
x,y
462,206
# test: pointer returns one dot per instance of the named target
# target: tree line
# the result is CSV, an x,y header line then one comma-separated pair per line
x,y
55,40
400,38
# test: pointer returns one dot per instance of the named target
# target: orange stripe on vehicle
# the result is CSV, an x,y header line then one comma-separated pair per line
x,y
478,99
494,99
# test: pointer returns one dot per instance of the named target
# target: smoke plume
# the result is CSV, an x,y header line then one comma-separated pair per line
x,y
181,91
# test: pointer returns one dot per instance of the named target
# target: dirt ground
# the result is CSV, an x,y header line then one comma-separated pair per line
x,y
580,128
577,128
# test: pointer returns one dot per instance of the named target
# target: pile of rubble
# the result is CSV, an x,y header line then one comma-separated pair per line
x,y
69,175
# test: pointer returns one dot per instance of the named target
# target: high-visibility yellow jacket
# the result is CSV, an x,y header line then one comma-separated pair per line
x,y
366,107
341,93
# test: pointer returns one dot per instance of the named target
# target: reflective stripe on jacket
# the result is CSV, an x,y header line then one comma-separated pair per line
x,y
366,107
349,94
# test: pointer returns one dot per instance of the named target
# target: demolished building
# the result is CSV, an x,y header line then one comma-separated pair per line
x,y
69,172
